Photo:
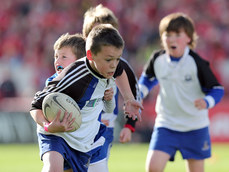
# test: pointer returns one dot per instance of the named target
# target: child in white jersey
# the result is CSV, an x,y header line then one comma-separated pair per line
x,y
85,81
188,88
99,161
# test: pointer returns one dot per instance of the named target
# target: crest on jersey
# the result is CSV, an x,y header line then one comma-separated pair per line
x,y
93,103
188,78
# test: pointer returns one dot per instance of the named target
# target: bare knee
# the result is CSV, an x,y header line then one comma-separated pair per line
x,y
156,161
193,165
153,168
53,162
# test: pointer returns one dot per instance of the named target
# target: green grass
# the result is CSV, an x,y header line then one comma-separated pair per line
x,y
123,158
131,158
20,158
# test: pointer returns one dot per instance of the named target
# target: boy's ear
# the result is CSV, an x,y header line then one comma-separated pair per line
x,y
89,56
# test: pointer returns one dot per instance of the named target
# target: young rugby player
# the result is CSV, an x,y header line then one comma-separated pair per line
x,y
188,88
85,81
99,161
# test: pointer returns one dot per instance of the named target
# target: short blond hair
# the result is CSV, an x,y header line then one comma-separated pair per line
x,y
177,21
76,42
98,15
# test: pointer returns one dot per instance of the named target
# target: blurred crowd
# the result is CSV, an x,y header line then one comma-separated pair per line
x,y
29,28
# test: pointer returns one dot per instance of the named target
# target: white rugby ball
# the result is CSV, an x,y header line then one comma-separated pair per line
x,y
55,101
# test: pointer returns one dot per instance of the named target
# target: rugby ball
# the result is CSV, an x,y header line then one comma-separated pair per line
x,y
55,101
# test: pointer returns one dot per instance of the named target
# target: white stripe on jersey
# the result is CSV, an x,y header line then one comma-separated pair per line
x,y
83,138
66,81
70,83
73,73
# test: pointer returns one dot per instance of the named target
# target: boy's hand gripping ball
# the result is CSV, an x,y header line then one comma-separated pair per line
x,y
55,101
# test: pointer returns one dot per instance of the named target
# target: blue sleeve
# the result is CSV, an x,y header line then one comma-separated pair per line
x,y
148,82
145,82
216,93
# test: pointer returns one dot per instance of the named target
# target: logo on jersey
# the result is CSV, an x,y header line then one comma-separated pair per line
x,y
164,78
188,78
94,102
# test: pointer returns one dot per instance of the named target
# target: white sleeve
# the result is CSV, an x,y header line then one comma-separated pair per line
x,y
109,106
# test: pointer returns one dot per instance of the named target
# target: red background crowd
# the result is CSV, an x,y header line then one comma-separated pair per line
x,y
29,28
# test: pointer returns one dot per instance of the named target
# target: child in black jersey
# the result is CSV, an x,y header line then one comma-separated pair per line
x,y
85,81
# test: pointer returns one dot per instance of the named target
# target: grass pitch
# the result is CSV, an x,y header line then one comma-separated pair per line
x,y
123,158
131,158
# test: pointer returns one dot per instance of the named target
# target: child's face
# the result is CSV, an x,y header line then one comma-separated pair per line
x,y
106,61
63,57
175,43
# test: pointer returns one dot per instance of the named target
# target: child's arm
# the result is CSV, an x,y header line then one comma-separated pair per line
x,y
109,101
125,135
132,107
38,117
212,97
146,84
56,125
213,90
129,127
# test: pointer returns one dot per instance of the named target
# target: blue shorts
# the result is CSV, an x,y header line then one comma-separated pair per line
x,y
103,153
194,144
73,159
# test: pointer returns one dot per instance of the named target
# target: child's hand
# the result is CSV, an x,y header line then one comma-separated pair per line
x,y
108,94
61,126
105,122
200,104
132,108
125,135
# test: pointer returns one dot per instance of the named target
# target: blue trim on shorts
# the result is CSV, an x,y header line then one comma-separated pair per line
x,y
195,144
103,152
73,159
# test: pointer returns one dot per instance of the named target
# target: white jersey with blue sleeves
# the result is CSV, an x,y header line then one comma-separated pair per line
x,y
181,83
